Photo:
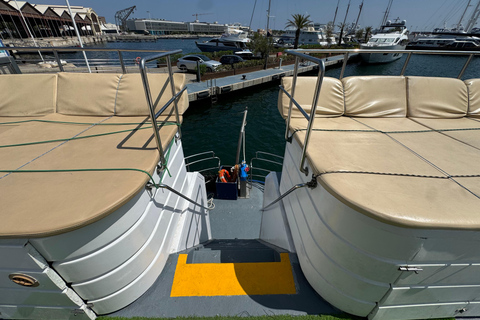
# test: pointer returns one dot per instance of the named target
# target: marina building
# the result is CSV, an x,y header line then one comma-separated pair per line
x,y
159,26
21,20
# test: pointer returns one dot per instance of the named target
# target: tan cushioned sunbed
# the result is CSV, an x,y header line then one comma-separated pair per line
x,y
47,203
405,151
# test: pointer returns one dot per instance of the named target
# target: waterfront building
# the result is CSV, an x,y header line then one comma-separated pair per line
x,y
160,26
21,20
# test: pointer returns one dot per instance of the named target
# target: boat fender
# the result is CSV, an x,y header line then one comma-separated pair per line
x,y
221,175
137,60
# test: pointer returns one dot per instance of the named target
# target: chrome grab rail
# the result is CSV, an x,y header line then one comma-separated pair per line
x,y
321,74
348,52
257,157
152,105
212,156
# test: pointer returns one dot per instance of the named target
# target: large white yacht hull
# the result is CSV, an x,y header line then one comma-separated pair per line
x,y
356,262
381,57
110,263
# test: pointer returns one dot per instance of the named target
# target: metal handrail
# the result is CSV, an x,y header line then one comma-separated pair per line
x,y
257,157
212,156
302,54
56,50
313,110
349,52
151,105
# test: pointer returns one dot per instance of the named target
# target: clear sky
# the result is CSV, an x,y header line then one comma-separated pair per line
x,y
420,14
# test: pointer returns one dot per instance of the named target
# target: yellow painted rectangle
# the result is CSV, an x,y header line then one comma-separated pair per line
x,y
232,279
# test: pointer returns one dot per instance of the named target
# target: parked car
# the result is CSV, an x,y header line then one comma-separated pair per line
x,y
189,62
231,59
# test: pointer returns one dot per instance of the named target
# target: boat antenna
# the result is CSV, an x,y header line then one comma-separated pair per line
x,y
473,18
463,15
78,36
387,13
335,16
358,17
253,12
346,13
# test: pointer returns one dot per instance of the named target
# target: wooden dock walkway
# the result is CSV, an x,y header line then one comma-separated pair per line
x,y
213,88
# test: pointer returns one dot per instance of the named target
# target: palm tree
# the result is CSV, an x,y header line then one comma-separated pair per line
x,y
299,22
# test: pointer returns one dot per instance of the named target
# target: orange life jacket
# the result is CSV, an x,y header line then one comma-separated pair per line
x,y
222,173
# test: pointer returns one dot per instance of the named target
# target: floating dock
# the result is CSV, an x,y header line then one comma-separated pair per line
x,y
213,88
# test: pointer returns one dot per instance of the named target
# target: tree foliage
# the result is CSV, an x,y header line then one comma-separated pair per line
x,y
261,44
298,22
329,32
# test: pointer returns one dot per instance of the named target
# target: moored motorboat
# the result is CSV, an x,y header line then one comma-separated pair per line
x,y
235,40
391,36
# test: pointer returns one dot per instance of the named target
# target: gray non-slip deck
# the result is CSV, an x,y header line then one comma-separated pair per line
x,y
235,226
204,89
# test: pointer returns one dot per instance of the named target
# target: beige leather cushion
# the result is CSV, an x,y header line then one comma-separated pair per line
x,y
59,202
355,146
430,97
375,96
466,130
415,202
330,102
87,94
27,94
131,99
473,86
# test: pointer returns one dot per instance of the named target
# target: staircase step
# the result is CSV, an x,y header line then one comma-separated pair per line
x,y
233,251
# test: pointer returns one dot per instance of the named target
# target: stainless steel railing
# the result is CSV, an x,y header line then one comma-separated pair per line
x,y
303,54
311,117
152,105
122,63
202,157
263,157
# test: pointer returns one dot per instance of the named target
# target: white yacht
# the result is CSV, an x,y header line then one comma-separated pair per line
x,y
445,41
307,36
391,36
234,40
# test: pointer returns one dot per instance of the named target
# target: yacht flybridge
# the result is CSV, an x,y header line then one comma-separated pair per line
x,y
375,207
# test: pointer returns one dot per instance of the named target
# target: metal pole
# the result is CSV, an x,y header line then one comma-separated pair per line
x,y
294,84
465,66
59,62
122,63
344,65
405,64
28,29
172,86
78,35
242,129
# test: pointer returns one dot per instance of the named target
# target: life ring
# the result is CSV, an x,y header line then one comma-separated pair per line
x,y
221,175
137,60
